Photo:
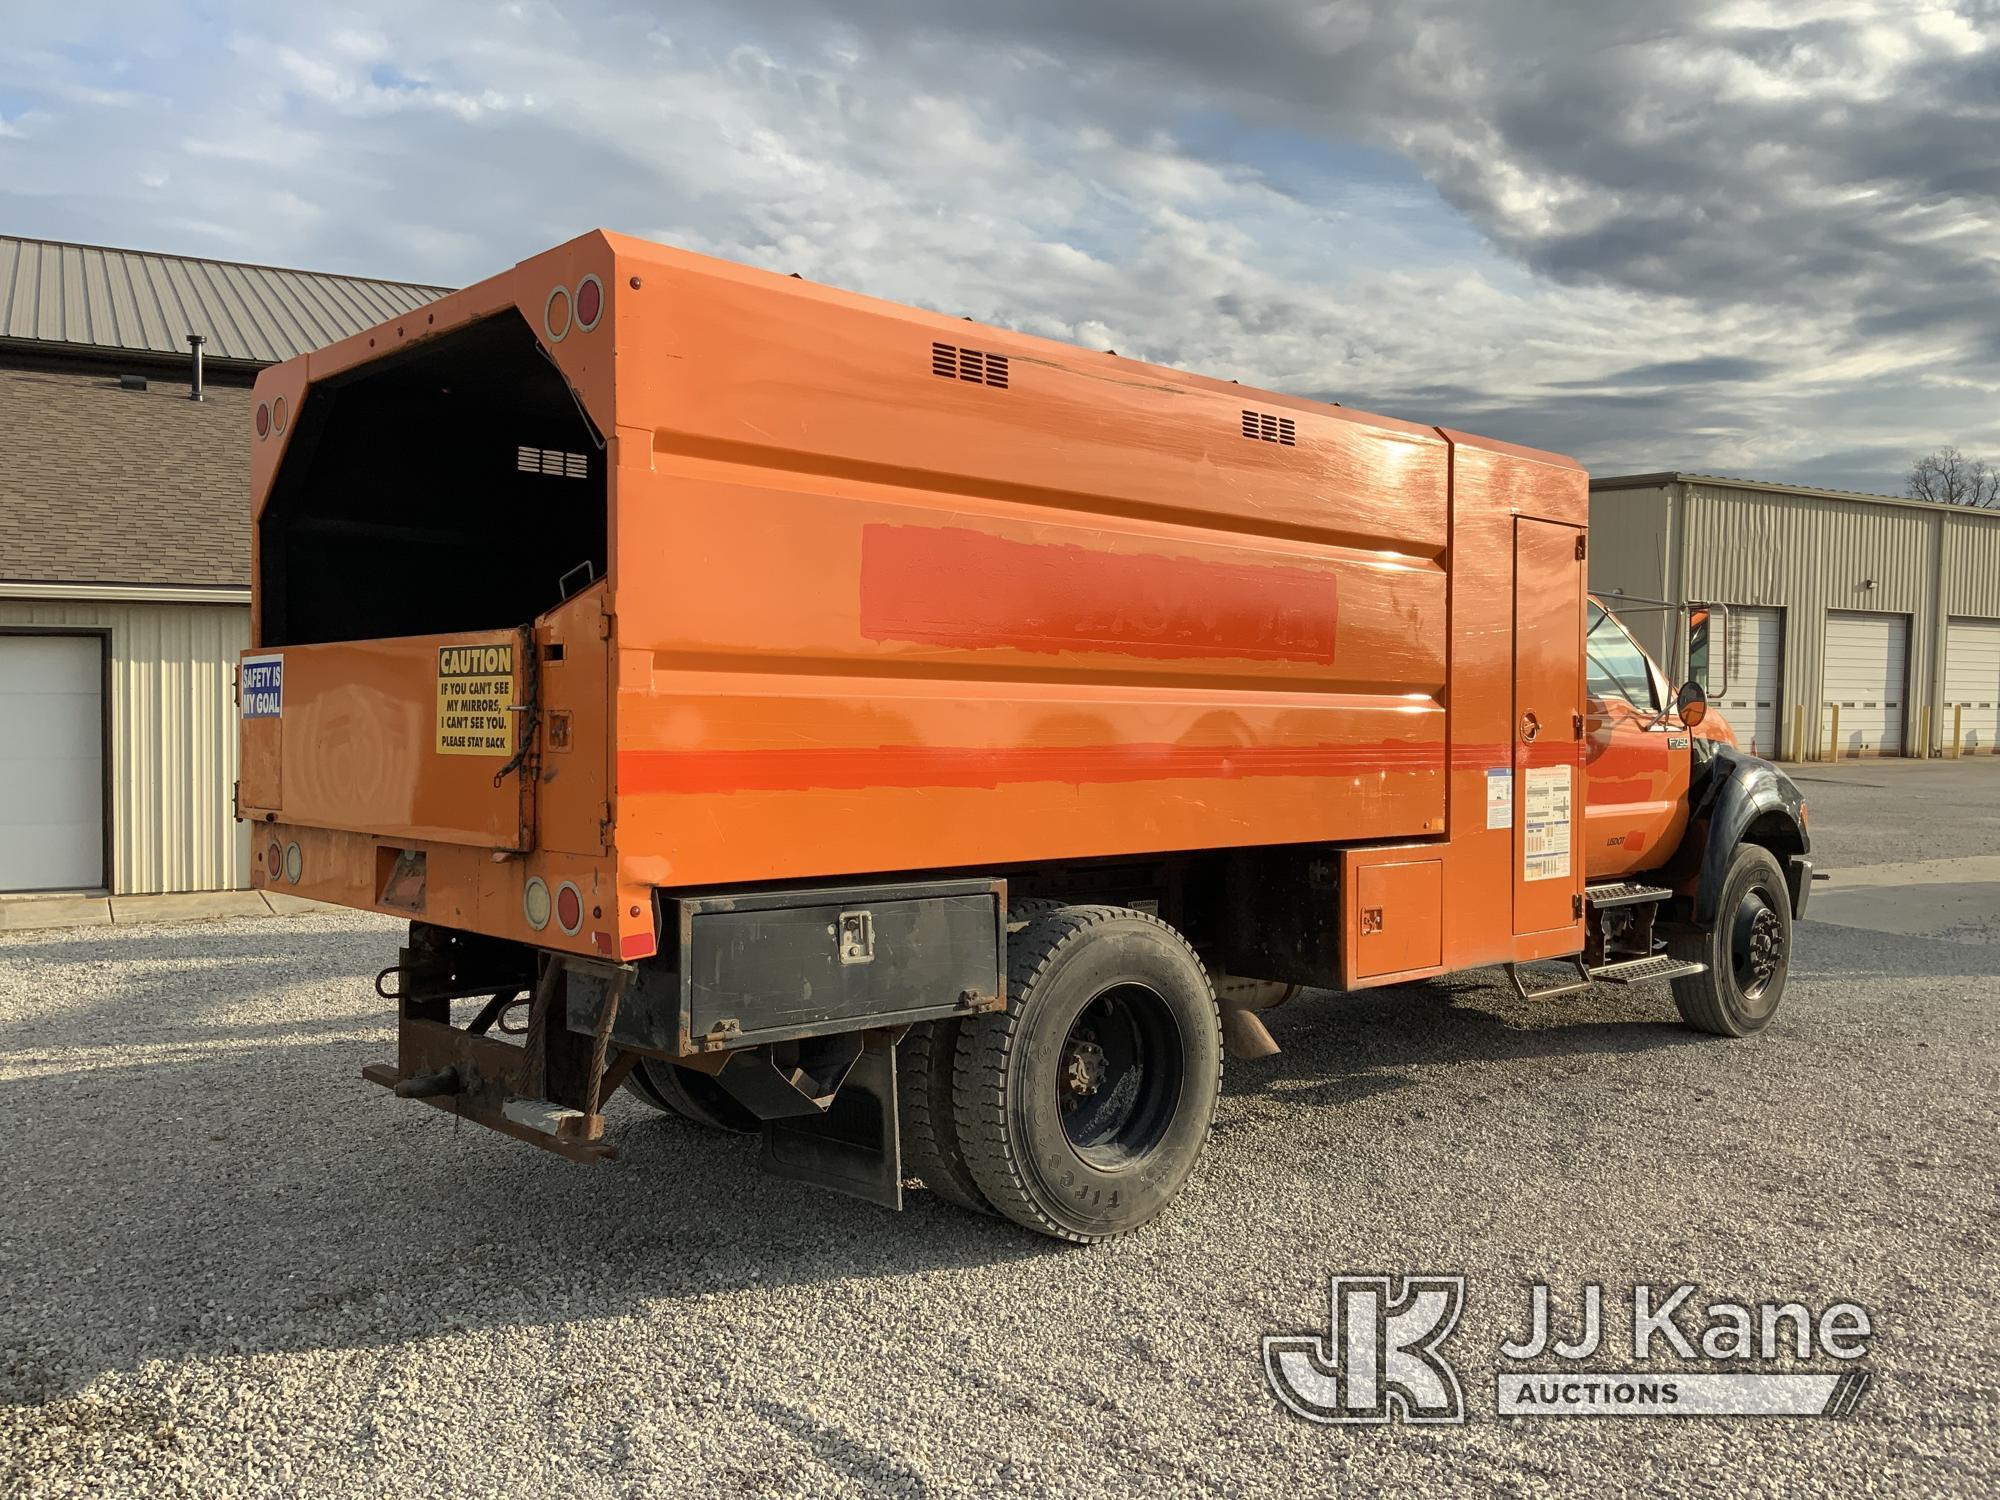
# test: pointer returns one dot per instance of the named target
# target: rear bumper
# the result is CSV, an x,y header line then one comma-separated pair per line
x,y
459,887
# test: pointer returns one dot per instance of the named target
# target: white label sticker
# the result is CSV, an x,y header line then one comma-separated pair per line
x,y
1545,849
1500,798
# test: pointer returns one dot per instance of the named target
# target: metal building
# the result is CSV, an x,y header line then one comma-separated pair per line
x,y
1858,624
125,551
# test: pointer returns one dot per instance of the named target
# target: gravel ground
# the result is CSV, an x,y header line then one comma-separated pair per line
x,y
232,1268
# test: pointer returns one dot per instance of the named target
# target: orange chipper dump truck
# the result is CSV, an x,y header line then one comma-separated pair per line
x,y
928,745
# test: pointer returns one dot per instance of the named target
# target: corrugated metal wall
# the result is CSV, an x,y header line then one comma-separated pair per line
x,y
1805,555
173,738
1629,554
1972,565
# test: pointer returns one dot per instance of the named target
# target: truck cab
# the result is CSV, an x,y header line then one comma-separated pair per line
x,y
1639,752
1669,797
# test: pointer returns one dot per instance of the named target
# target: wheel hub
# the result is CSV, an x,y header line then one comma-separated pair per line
x,y
1766,944
1758,944
1083,1066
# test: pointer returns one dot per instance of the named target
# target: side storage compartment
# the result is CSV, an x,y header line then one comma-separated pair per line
x,y
1392,914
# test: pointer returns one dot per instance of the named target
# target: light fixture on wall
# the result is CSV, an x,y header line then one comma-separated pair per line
x,y
1868,583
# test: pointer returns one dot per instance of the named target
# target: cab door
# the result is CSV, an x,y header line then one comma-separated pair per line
x,y
1635,755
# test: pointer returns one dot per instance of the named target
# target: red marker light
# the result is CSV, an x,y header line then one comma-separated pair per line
x,y
569,908
589,302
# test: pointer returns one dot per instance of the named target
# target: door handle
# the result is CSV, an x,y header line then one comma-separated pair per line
x,y
1530,727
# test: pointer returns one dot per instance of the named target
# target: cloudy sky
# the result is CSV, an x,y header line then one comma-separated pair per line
x,y
1753,236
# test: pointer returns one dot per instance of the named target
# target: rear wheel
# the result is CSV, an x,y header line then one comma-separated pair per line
x,y
924,1114
1748,951
1083,1107
691,1095
924,1102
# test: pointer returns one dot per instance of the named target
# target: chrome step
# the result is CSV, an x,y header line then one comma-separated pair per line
x,y
1659,966
1569,986
1623,893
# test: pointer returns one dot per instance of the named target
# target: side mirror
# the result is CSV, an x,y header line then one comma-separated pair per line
x,y
1692,703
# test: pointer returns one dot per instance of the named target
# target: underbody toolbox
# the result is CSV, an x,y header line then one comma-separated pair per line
x,y
749,967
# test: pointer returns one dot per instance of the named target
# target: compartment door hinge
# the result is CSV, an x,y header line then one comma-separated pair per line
x,y
1582,547
603,825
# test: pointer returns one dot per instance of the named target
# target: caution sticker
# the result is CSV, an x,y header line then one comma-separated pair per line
x,y
1545,850
475,685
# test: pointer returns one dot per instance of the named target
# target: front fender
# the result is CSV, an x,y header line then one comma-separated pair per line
x,y
1745,799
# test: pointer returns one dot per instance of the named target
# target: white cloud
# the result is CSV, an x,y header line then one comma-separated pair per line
x,y
1726,234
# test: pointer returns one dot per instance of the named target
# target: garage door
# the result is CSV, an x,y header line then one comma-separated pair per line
x,y
1867,664
1972,683
1750,694
51,762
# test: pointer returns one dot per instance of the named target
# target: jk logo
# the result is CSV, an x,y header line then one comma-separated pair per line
x,y
1380,1357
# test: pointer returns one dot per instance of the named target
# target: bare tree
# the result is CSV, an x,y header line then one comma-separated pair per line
x,y
1948,477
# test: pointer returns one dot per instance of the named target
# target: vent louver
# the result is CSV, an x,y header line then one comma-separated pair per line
x,y
552,461
972,365
1265,428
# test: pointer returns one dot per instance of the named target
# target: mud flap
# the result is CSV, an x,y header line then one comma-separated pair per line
x,y
853,1146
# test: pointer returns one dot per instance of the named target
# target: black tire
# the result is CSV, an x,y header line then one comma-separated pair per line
x,y
691,1095
924,1114
1022,910
924,1107
1115,1000
1748,952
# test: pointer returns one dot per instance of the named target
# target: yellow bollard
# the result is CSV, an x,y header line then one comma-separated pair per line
x,y
1924,733
1957,730
1836,731
1799,732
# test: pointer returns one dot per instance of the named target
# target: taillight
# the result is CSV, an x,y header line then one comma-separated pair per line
x,y
263,420
569,908
589,303
295,864
556,315
273,862
278,414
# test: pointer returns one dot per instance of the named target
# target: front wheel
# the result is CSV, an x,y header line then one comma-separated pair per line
x,y
1748,951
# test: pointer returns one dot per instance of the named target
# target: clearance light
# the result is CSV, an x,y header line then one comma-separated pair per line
x,y
535,902
295,864
569,908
